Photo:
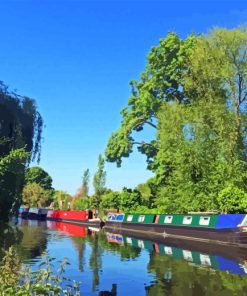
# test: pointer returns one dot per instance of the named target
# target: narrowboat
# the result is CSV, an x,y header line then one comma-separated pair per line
x,y
201,257
228,229
75,217
37,214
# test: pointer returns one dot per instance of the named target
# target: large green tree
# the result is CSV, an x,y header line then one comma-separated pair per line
x,y
162,81
202,155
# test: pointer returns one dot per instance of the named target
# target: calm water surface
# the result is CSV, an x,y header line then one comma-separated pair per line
x,y
112,264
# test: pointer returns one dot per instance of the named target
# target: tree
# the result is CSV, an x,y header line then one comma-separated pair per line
x,y
203,143
34,195
99,181
83,191
21,124
39,176
162,81
81,203
129,199
110,200
12,169
62,200
20,142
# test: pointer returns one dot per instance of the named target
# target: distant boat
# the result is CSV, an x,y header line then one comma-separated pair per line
x,y
37,214
223,229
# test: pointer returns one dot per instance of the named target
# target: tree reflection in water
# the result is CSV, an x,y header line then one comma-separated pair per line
x,y
178,277
10,235
113,291
34,239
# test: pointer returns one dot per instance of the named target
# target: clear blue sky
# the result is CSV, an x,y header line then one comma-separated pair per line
x,y
76,59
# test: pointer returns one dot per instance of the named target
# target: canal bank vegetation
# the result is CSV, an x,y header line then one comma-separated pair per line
x,y
18,280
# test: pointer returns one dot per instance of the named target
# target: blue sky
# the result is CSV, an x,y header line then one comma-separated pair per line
x,y
76,59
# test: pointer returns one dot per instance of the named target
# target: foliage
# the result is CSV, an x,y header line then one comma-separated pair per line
x,y
62,200
202,144
33,195
20,142
15,280
194,92
81,203
99,181
146,194
232,200
39,176
162,81
83,190
129,199
21,124
110,201
12,169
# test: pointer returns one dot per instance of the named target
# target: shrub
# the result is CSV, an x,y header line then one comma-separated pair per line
x,y
232,200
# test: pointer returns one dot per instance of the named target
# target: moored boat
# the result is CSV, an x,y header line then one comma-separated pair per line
x,y
223,228
76,217
37,214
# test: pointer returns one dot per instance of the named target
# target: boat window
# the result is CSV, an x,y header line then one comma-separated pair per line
x,y
120,217
168,219
141,218
111,217
187,220
129,218
204,220
188,255
168,250
205,260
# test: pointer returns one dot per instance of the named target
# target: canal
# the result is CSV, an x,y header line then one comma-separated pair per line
x,y
106,263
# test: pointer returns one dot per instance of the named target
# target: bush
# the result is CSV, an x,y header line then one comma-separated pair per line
x,y
110,201
81,203
129,199
16,280
232,200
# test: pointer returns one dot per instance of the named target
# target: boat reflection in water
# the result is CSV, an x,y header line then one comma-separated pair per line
x,y
230,259
67,228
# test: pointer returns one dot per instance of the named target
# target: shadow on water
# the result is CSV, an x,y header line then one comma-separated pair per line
x,y
10,235
121,264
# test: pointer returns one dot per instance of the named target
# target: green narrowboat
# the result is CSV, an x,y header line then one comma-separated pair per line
x,y
223,228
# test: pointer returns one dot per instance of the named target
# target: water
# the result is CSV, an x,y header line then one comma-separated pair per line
x,y
112,264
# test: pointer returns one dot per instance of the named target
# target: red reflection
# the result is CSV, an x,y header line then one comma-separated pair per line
x,y
70,229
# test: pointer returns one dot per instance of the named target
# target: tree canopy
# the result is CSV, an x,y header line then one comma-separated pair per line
x,y
40,176
20,142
